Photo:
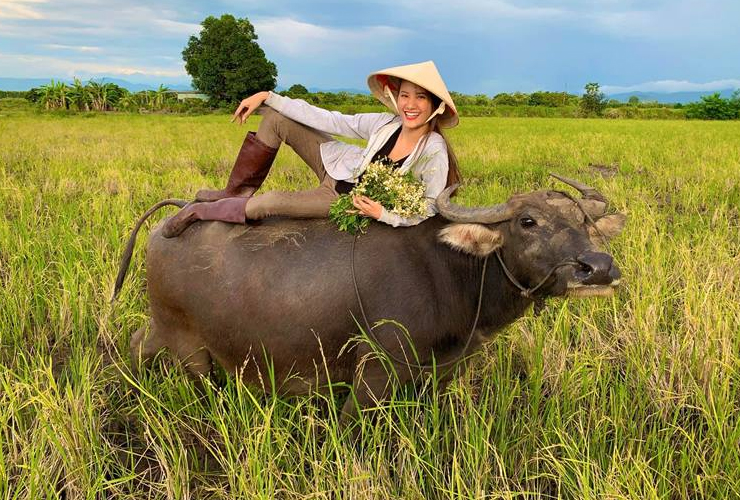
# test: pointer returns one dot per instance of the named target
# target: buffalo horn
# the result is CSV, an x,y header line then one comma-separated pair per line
x,y
458,213
587,192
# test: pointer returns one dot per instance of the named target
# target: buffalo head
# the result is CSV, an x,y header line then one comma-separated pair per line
x,y
547,240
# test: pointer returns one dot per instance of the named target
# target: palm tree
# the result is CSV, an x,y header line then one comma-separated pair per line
x,y
54,95
159,96
113,94
79,95
97,99
104,95
47,95
126,101
148,99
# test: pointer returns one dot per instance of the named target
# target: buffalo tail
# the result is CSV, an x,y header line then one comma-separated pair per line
x,y
128,252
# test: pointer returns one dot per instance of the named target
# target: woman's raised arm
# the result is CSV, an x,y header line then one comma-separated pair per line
x,y
359,126
248,105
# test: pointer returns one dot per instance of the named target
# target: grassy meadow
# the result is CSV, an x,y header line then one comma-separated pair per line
x,y
634,396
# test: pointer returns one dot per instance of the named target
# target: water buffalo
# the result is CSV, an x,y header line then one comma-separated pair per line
x,y
281,292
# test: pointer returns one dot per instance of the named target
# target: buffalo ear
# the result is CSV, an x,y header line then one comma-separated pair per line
x,y
474,239
609,225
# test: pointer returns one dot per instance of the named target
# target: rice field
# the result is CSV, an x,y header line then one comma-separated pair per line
x,y
634,396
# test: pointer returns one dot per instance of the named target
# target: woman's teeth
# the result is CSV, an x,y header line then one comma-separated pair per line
x,y
411,116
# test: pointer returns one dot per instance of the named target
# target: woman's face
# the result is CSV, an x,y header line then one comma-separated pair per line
x,y
414,105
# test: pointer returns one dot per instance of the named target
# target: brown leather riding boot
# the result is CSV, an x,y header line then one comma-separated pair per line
x,y
250,169
225,210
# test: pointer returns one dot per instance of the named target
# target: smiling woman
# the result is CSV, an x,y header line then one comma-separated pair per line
x,y
409,139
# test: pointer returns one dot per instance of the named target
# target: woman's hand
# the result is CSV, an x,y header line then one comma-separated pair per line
x,y
368,207
248,105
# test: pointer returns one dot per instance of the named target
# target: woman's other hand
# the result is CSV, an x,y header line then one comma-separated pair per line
x,y
248,105
368,207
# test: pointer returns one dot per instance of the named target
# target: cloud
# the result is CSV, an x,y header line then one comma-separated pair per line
x,y
77,48
483,45
296,38
504,9
660,20
92,18
34,65
19,9
632,23
673,86
177,27
476,10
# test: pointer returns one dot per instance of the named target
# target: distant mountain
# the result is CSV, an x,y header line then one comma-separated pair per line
x,y
20,84
669,97
138,86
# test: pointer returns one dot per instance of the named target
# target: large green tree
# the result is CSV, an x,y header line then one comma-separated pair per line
x,y
593,101
226,62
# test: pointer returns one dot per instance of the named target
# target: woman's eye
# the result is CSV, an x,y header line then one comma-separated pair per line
x,y
527,222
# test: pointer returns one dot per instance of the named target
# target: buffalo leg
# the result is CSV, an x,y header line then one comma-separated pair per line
x,y
371,384
193,355
144,345
147,342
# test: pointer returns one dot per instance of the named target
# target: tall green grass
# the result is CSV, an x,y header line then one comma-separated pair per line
x,y
630,397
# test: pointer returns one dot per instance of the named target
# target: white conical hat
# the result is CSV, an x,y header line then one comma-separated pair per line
x,y
384,82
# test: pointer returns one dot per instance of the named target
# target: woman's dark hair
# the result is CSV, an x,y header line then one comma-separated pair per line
x,y
453,173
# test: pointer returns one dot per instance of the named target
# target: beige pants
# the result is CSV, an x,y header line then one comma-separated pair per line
x,y
274,130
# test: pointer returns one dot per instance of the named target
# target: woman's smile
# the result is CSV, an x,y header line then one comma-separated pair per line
x,y
411,115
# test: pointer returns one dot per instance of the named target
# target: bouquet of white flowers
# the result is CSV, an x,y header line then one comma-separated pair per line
x,y
399,193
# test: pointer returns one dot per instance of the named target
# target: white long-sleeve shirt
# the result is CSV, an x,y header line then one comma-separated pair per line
x,y
428,161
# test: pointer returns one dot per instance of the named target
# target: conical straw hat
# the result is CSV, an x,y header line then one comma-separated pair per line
x,y
385,82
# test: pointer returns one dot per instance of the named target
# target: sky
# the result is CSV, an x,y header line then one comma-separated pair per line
x,y
479,46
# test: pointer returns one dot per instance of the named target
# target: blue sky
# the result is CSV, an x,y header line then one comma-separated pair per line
x,y
480,46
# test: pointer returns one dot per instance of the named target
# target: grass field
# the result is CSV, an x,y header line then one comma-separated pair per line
x,y
635,396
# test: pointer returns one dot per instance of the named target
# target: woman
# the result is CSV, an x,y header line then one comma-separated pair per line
x,y
410,139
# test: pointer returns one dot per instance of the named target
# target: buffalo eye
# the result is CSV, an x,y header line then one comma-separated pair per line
x,y
527,222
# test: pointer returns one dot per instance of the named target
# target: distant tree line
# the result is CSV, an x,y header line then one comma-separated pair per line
x,y
99,96
535,104
540,98
106,96
714,107
4,94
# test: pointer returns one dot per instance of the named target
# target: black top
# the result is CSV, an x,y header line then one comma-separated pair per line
x,y
344,187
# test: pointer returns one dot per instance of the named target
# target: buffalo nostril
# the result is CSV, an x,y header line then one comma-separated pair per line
x,y
583,271
596,268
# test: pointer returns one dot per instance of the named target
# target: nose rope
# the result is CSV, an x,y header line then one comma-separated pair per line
x,y
529,292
